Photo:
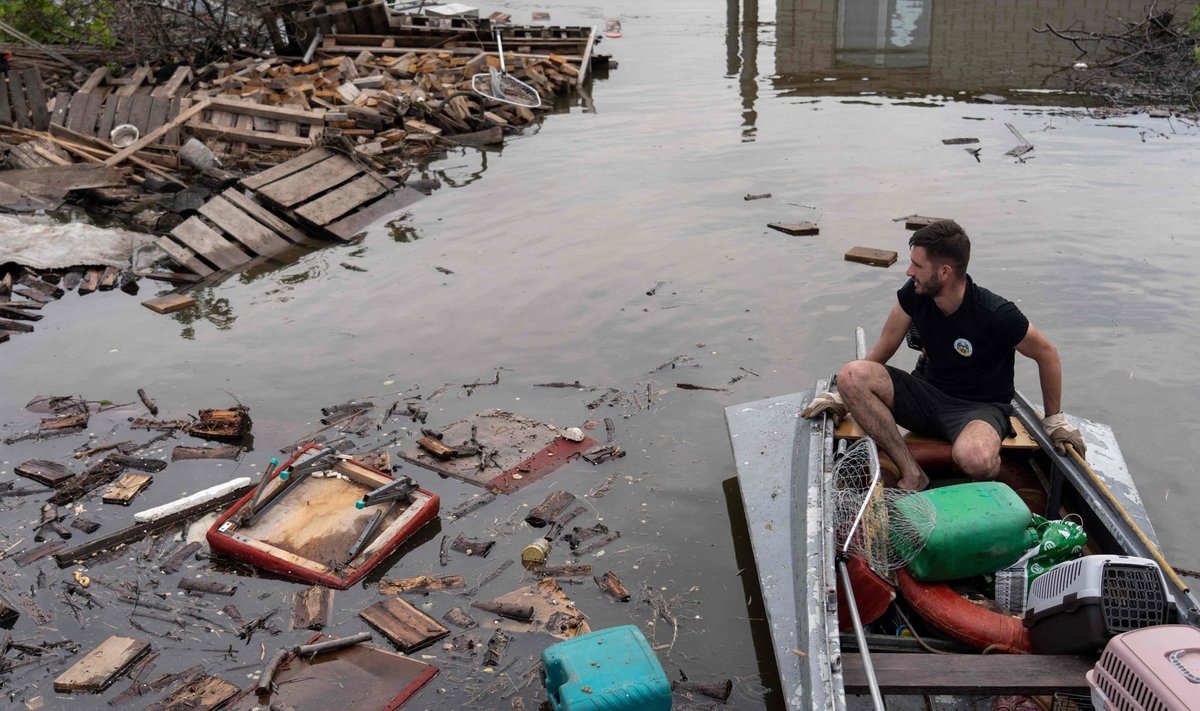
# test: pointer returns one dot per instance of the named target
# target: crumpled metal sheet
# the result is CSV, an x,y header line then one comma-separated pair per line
x,y
42,243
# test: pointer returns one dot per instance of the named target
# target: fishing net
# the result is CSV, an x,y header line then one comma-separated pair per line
x,y
885,527
502,87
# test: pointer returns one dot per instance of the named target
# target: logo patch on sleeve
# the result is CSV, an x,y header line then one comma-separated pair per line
x,y
964,347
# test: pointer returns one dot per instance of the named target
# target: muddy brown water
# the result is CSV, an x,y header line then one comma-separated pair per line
x,y
838,111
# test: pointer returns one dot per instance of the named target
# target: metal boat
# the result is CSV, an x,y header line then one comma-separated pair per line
x,y
784,465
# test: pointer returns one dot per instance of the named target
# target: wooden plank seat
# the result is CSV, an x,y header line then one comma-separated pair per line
x,y
849,429
230,231
982,674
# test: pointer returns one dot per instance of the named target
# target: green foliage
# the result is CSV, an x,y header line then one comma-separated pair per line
x,y
1194,24
60,21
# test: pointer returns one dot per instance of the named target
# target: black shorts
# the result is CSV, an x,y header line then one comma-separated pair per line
x,y
922,408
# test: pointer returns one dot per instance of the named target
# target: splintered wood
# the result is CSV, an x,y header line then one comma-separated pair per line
x,y
406,626
125,488
311,608
100,667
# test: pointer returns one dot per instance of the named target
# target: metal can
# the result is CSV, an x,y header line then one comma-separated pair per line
x,y
535,553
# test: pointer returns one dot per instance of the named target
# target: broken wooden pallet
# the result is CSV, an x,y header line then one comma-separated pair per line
x,y
230,230
23,99
238,120
330,193
93,114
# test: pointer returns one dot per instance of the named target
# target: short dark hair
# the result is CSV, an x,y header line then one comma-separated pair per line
x,y
946,242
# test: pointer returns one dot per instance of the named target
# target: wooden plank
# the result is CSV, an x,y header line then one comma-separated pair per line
x,y
91,114
91,281
260,213
311,608
406,626
156,134
141,530
76,110
35,95
107,114
871,256
198,693
354,223
421,584
62,100
916,222
16,93
159,108
95,80
286,168
134,81
170,88
66,177
301,186
796,228
185,256
280,113
121,115
208,244
586,61
170,302
177,104
258,138
43,471
125,488
139,113
108,279
976,674
100,667
243,228
333,205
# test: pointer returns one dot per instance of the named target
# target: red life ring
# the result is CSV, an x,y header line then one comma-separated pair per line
x,y
960,619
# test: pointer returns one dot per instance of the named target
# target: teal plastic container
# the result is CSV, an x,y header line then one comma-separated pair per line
x,y
608,670
979,528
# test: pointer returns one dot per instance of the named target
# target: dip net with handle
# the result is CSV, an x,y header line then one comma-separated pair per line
x,y
499,85
866,521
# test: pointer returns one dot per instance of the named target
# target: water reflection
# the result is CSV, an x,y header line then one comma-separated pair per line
x,y
931,47
744,63
209,307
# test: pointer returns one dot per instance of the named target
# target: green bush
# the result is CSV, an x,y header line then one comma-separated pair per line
x,y
59,21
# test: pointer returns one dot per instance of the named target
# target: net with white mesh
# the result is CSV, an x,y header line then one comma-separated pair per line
x,y
885,527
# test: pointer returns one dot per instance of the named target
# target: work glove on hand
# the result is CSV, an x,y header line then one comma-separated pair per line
x,y
826,403
1062,433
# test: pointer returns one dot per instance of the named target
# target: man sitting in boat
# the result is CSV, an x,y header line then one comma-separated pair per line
x,y
962,390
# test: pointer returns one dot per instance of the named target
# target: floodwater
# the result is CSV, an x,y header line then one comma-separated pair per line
x,y
837,109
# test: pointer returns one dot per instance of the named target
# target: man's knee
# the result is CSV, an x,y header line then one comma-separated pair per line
x,y
859,377
977,460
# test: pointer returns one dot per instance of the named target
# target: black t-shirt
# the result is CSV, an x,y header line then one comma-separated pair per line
x,y
969,353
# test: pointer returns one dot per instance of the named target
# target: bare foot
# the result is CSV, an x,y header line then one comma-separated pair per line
x,y
916,482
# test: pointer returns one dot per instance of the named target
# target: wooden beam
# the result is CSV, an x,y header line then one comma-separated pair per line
x,y
281,113
141,530
248,136
157,133
587,57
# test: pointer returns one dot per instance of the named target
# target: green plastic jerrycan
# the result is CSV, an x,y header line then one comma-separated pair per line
x,y
979,528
